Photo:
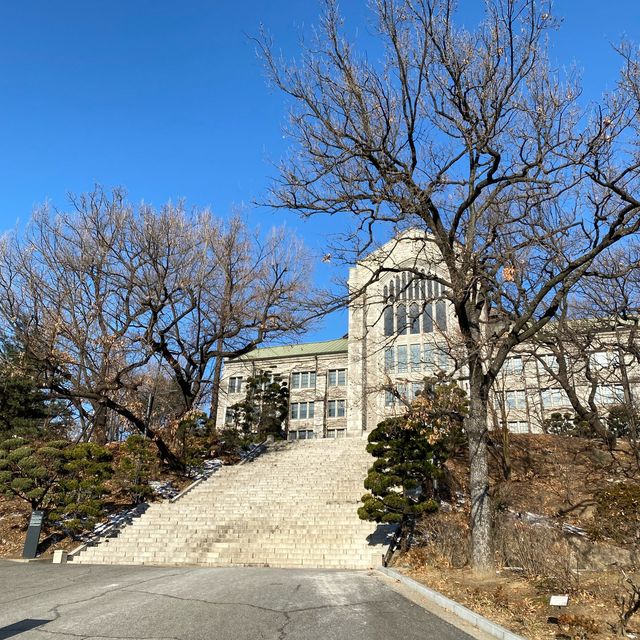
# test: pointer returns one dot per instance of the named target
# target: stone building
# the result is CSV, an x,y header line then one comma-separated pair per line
x,y
400,331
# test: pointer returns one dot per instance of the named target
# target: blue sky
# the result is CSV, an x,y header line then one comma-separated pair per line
x,y
169,100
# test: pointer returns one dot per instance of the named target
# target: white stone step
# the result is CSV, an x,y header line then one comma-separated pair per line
x,y
293,506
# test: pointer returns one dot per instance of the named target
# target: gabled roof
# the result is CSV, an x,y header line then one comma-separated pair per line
x,y
297,350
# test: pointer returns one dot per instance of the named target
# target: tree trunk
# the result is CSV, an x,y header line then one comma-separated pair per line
x,y
99,430
482,555
215,385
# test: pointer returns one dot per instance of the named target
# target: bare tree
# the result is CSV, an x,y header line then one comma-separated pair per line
x,y
99,294
593,341
470,136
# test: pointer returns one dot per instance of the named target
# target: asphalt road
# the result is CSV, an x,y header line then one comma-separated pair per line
x,y
39,601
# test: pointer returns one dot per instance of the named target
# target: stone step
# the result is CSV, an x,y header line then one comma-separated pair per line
x,y
293,506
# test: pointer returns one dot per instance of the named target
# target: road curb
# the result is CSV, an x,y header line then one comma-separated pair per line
x,y
474,619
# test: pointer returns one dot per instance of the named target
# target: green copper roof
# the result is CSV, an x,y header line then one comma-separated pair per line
x,y
297,350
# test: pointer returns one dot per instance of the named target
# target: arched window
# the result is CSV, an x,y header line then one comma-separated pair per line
x,y
427,318
388,320
441,315
414,318
401,319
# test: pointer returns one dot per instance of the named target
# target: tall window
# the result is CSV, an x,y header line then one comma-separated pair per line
x,y
414,318
441,315
235,384
428,358
549,363
515,399
513,365
518,426
444,361
402,358
413,304
609,394
303,380
416,364
302,410
389,359
337,377
553,398
388,320
336,408
401,319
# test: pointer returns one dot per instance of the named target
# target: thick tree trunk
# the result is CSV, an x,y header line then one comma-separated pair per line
x,y
99,430
482,555
215,386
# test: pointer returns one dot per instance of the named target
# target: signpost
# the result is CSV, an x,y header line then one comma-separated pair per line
x,y
33,535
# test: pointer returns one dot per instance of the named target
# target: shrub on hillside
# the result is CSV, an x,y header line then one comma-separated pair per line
x,y
135,467
193,441
78,496
410,452
64,479
617,514
536,552
30,471
565,424
622,421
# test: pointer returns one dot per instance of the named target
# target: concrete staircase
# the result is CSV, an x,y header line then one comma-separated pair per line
x,y
294,506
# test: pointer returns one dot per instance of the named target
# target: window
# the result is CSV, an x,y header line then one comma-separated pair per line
x,y
427,318
388,320
415,389
402,359
301,434
389,359
513,365
303,380
518,426
336,433
515,399
444,361
549,363
229,416
414,318
415,357
441,315
337,377
603,360
553,398
336,408
428,358
302,410
235,384
389,398
401,319
609,394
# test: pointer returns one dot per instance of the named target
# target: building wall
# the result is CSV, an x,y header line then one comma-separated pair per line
x,y
320,394
385,368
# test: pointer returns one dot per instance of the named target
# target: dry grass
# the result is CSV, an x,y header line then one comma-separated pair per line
x,y
559,478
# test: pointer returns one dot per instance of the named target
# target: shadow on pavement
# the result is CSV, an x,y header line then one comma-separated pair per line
x,y
20,627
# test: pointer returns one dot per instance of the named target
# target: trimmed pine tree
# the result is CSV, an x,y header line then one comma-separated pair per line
x,y
410,453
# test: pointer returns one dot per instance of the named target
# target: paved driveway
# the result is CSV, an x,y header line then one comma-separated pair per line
x,y
39,601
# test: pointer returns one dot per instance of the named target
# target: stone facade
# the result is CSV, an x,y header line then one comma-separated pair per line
x,y
401,330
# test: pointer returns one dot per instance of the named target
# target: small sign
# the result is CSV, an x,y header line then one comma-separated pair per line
x,y
559,601
33,535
